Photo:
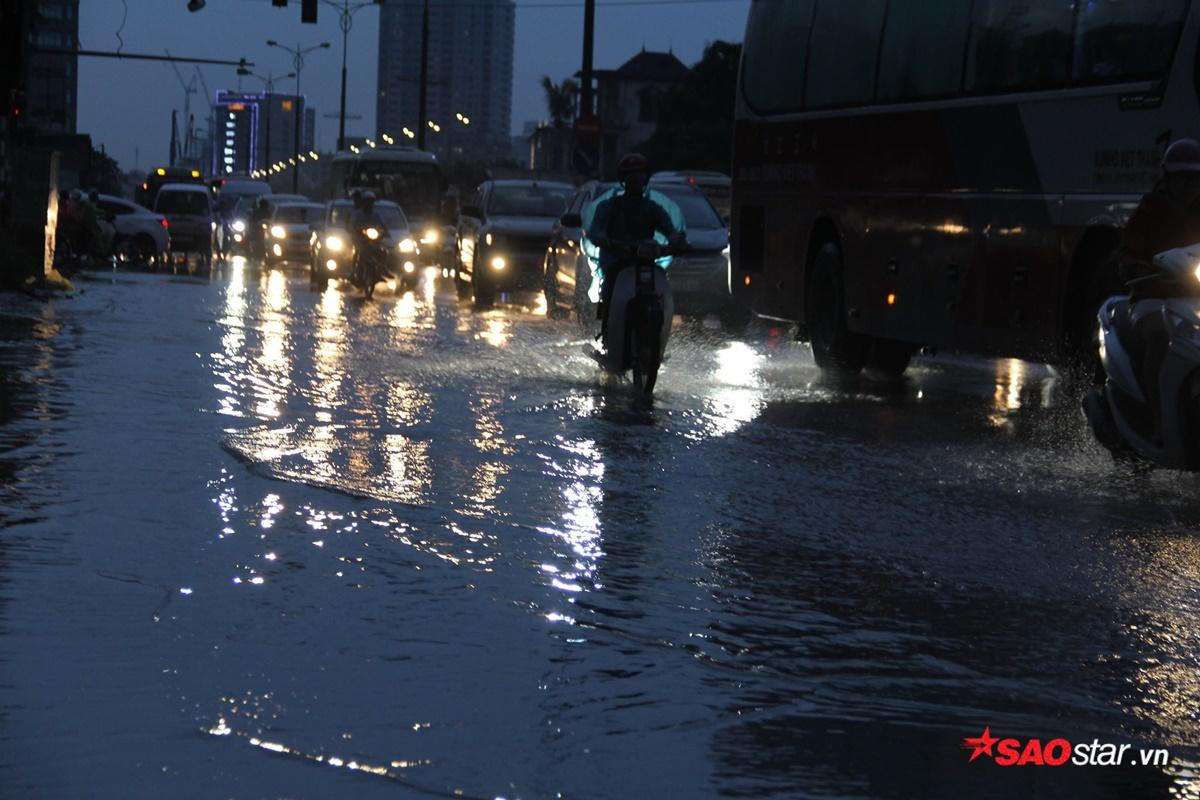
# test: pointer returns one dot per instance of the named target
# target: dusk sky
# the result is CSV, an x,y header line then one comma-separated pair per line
x,y
126,105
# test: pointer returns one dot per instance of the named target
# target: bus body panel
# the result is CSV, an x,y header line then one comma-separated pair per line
x,y
959,220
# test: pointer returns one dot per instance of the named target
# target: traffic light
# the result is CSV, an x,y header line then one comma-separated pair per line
x,y
308,11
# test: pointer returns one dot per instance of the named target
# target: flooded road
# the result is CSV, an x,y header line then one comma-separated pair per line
x,y
259,541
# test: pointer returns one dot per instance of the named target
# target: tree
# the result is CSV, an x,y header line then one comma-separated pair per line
x,y
695,120
560,100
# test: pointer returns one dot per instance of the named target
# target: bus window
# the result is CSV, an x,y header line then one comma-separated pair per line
x,y
777,40
1122,39
1016,44
922,49
841,53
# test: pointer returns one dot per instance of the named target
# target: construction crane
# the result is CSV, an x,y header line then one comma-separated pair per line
x,y
188,90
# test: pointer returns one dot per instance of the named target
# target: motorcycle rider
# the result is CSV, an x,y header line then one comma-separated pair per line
x,y
623,220
361,218
258,220
1168,216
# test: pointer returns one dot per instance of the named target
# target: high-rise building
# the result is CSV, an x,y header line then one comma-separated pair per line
x,y
470,71
254,131
51,79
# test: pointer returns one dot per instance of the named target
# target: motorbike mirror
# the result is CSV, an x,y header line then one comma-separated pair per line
x,y
571,220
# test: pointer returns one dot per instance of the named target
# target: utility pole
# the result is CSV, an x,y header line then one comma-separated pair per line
x,y
589,37
422,94
298,62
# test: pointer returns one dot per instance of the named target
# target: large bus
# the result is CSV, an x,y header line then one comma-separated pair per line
x,y
409,177
949,173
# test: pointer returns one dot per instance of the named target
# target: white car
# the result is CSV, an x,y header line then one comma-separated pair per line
x,y
141,234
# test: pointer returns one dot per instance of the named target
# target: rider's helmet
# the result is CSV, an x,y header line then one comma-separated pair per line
x,y
368,200
356,198
632,164
1182,156
262,203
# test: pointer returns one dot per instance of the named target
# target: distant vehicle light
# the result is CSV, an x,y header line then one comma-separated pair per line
x,y
488,239
407,245
498,263
164,223
213,224
277,250
372,233
195,173
431,236
334,243
237,237
239,226
331,265
891,298
160,172
409,267
747,280
278,231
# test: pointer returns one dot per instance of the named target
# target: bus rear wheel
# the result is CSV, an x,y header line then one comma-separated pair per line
x,y
835,347
888,359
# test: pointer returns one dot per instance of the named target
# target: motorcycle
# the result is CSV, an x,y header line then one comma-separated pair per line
x,y
370,261
1146,404
640,310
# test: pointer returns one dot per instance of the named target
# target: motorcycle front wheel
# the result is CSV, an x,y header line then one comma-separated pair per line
x,y
645,343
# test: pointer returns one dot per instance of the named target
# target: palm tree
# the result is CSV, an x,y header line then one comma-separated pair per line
x,y
560,100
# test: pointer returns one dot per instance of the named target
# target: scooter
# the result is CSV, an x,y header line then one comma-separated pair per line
x,y
1146,405
371,259
639,316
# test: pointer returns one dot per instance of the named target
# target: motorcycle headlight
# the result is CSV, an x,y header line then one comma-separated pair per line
x,y
407,245
372,233
430,236
239,226
334,244
278,231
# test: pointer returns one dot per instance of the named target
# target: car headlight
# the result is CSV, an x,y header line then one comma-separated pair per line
x,y
409,267
239,226
372,233
498,263
278,231
431,236
407,245
334,243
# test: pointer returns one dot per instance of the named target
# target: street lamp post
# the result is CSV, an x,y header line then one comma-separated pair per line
x,y
268,87
298,53
346,13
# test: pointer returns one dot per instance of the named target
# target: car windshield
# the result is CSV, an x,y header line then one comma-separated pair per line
x,y
391,216
698,212
233,192
528,201
182,203
296,215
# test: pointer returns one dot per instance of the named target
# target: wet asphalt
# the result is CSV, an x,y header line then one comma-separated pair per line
x,y
262,541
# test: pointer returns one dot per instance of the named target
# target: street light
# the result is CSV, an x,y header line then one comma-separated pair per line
x,y
298,55
268,88
346,11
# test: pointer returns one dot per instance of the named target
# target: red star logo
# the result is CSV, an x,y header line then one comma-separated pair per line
x,y
980,744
